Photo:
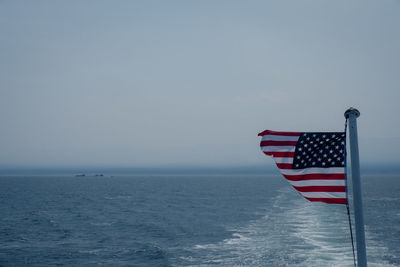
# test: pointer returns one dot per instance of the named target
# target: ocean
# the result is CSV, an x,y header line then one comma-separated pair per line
x,y
188,220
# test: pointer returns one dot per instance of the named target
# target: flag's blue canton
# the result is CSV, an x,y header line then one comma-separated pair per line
x,y
322,150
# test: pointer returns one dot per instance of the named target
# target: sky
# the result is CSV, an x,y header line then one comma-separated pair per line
x,y
192,83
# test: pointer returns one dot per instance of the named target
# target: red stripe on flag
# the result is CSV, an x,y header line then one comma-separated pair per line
x,y
329,200
315,176
280,154
266,132
278,143
284,165
320,188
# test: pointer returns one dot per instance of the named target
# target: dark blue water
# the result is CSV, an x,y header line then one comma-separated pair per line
x,y
206,220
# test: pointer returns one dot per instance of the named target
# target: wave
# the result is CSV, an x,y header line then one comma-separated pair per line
x,y
293,232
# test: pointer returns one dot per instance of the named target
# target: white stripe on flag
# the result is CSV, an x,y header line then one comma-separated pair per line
x,y
283,160
279,138
318,183
278,148
324,194
339,170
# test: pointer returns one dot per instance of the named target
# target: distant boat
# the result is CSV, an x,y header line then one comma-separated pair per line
x,y
80,175
97,175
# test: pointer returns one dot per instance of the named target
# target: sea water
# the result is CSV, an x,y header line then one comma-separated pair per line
x,y
188,220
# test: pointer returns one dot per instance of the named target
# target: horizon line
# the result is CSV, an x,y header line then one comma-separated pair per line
x,y
175,169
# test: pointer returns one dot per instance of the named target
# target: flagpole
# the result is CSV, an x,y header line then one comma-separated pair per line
x,y
352,114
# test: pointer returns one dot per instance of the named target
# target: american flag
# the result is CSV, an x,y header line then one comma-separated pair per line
x,y
313,162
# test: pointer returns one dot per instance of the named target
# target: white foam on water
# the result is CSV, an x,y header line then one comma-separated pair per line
x,y
324,228
188,259
207,246
236,239
295,232
248,246
102,223
323,233
91,251
119,197
376,251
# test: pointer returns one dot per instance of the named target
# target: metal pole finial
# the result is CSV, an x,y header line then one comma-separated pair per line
x,y
351,111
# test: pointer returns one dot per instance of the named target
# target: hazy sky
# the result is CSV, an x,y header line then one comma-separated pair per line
x,y
148,83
